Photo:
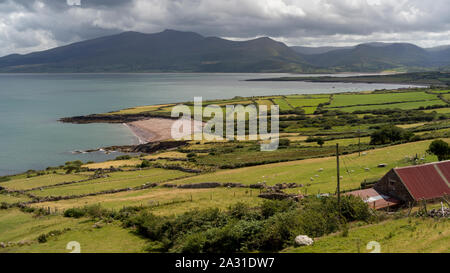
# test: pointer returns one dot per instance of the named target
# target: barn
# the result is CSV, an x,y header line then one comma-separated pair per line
x,y
416,183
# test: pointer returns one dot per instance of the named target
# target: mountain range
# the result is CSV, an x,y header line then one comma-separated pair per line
x,y
176,51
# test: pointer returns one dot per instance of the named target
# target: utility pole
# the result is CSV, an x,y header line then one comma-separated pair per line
x,y
359,140
338,180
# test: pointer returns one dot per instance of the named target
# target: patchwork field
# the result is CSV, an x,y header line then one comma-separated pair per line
x,y
41,181
384,98
403,106
353,169
119,180
300,159
394,236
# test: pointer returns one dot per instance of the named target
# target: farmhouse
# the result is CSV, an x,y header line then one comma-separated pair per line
x,y
376,199
415,183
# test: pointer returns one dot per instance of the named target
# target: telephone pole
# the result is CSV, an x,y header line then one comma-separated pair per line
x,y
338,180
359,140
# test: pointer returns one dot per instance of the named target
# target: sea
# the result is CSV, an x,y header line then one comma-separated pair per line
x,y
32,138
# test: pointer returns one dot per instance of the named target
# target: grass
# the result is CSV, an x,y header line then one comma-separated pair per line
x,y
284,105
114,163
341,100
16,225
325,181
43,180
304,102
138,110
13,198
174,155
171,200
118,180
267,103
395,236
342,142
403,106
439,111
110,238
440,91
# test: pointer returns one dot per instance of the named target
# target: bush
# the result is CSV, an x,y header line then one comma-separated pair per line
x,y
145,164
388,134
42,238
272,227
440,148
123,157
191,155
272,207
73,166
4,179
284,142
75,213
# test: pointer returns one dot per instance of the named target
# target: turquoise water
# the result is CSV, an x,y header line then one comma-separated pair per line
x,y
30,105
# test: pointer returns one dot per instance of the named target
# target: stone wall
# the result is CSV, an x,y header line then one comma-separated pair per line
x,y
391,185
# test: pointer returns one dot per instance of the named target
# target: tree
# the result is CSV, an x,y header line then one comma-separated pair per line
x,y
320,142
388,134
440,148
72,166
284,142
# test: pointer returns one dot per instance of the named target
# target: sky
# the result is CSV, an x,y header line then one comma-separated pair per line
x,y
34,25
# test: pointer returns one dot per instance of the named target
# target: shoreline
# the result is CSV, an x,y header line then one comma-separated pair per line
x,y
156,129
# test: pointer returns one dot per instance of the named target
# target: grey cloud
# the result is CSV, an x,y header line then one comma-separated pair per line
x,y
27,25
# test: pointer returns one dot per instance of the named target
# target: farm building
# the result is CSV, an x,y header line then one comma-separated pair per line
x,y
375,199
415,183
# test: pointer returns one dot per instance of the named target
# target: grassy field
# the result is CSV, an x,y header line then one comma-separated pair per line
x,y
114,163
300,161
44,180
17,226
284,105
323,181
403,106
301,102
394,236
439,111
166,201
13,198
118,180
342,100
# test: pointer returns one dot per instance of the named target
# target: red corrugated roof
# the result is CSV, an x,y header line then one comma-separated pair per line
x,y
427,181
375,199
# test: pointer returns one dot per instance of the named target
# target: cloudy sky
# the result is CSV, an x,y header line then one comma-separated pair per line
x,y
31,25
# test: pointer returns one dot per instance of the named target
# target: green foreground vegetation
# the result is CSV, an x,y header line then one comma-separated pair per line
x,y
152,202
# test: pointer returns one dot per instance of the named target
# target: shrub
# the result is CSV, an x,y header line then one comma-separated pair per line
x,y
191,155
440,148
4,179
284,142
75,213
73,166
388,134
272,207
145,164
42,238
123,157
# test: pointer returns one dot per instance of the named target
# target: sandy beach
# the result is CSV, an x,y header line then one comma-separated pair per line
x,y
156,129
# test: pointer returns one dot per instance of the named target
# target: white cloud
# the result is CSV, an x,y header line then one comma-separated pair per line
x,y
28,25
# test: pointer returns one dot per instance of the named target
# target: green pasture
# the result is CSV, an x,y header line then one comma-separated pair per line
x,y
43,180
403,106
117,180
353,169
406,235
342,100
